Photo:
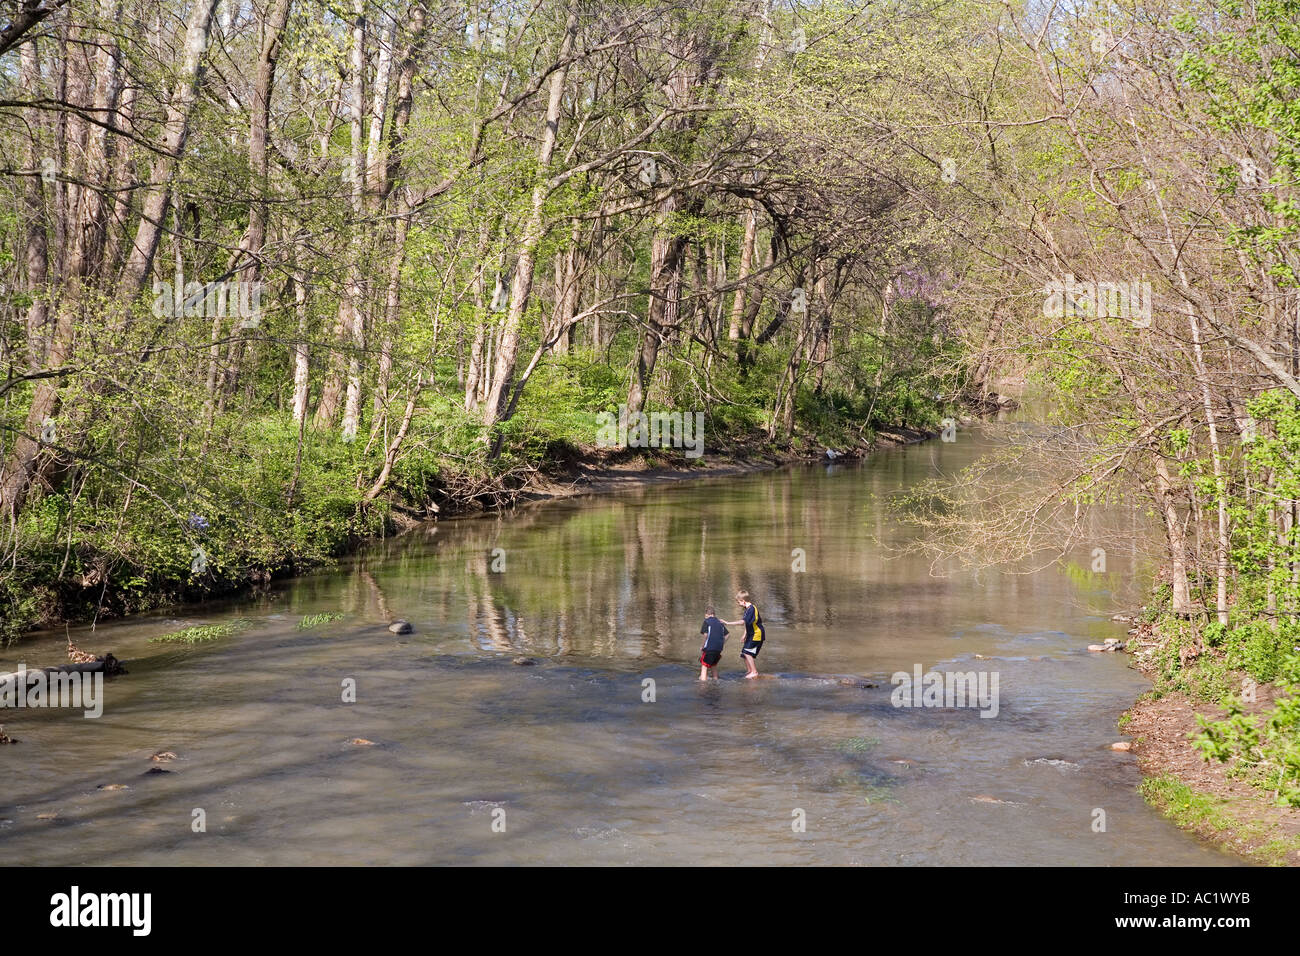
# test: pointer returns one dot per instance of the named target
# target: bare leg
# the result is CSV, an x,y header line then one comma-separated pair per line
x,y
750,667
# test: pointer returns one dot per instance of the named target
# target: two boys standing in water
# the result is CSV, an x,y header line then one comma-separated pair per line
x,y
715,632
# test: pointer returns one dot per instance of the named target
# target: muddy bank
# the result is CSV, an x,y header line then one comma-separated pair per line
x,y
597,474
591,471
1200,796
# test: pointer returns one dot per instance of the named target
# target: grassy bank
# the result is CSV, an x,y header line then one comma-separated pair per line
x,y
1217,735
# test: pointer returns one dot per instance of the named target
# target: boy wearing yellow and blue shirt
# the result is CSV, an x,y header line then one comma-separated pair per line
x,y
754,634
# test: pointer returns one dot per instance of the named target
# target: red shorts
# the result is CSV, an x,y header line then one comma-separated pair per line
x,y
710,658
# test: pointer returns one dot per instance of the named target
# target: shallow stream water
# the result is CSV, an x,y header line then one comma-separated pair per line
x,y
476,759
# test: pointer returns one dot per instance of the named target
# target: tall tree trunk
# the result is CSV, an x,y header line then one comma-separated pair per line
x,y
301,359
746,266
667,252
175,131
566,289
35,200
1175,538
254,238
355,285
521,287
347,328
477,369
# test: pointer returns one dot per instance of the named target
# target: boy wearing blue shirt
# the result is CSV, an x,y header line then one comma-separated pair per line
x,y
711,650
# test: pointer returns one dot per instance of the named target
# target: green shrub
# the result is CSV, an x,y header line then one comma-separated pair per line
x,y
1263,748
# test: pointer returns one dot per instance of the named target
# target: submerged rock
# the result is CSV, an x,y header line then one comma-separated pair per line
x,y
153,770
361,742
112,786
401,627
163,756
1122,745
525,661
1051,762
1111,645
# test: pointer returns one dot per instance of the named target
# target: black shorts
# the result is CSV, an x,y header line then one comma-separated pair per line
x,y
751,648
710,658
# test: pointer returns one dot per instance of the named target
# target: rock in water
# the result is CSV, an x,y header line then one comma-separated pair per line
x,y
525,661
163,756
153,770
1122,745
1052,762
401,627
361,742
112,786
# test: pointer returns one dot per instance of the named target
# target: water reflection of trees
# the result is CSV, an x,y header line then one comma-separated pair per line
x,y
627,577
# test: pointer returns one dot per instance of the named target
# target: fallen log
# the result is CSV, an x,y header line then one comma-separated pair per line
x,y
107,665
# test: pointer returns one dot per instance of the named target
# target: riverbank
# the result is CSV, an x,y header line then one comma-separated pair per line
x,y
602,472
1202,796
